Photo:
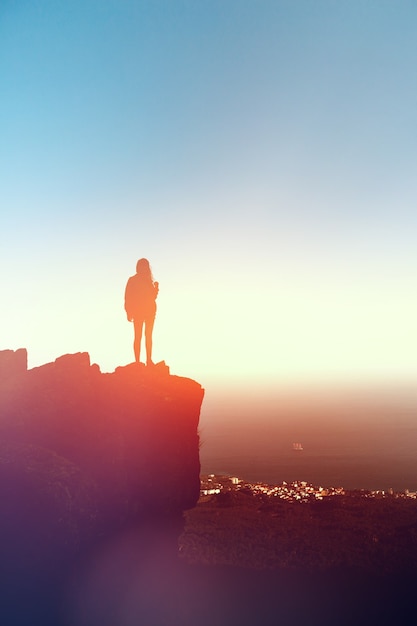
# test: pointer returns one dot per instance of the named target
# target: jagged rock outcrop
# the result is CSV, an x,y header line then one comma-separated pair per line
x,y
85,455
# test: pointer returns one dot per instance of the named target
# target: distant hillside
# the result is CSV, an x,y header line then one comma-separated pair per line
x,y
343,532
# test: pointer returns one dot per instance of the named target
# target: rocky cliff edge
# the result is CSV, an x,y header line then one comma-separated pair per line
x,y
85,455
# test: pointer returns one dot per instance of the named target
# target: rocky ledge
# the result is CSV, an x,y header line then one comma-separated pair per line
x,y
86,455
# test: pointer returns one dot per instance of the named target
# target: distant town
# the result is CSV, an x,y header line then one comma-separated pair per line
x,y
298,491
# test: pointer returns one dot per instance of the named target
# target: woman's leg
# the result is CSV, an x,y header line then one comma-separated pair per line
x,y
138,325
148,339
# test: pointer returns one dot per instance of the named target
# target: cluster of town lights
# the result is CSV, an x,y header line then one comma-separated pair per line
x,y
297,491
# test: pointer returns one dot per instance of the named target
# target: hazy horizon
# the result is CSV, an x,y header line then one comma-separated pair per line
x,y
355,440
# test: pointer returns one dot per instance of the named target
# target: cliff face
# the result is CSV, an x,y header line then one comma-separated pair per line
x,y
86,455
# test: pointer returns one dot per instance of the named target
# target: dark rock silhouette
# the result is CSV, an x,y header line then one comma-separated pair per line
x,y
84,458
13,363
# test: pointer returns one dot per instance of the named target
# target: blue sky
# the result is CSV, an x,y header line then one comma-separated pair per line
x,y
262,155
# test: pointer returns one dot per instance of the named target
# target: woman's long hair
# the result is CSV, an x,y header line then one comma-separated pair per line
x,y
144,269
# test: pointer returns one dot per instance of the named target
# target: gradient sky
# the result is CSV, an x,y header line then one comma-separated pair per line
x,y
261,154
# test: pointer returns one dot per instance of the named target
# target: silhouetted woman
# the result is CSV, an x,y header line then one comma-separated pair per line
x,y
140,295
